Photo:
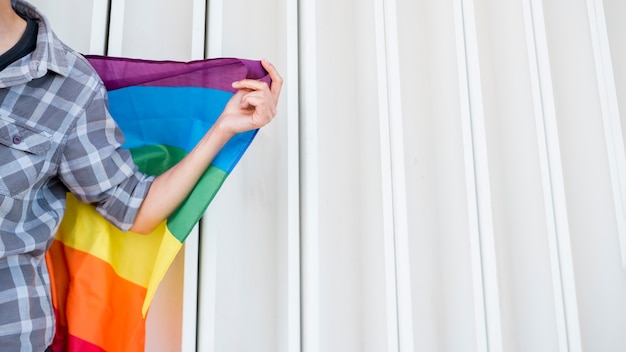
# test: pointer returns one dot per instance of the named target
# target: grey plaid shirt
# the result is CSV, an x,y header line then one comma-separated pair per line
x,y
56,135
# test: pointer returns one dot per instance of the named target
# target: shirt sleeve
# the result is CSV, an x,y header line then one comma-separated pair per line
x,y
97,171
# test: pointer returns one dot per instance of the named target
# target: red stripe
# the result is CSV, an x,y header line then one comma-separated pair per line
x,y
76,344
59,344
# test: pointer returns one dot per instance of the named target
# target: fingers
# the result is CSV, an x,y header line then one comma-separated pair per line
x,y
252,98
277,80
253,84
258,102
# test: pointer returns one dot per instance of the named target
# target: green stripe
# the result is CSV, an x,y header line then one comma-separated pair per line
x,y
156,159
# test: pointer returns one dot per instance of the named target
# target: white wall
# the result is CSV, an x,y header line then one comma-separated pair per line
x,y
442,176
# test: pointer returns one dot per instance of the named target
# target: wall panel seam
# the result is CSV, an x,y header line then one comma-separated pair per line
x,y
391,280
189,333
610,116
294,301
116,28
398,177
214,12
310,189
555,206
100,17
215,27
482,241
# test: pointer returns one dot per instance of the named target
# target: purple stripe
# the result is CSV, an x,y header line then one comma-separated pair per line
x,y
214,73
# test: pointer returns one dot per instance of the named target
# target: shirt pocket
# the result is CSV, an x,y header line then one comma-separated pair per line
x,y
22,156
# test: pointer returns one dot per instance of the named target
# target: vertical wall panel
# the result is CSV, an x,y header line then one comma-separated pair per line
x,y
529,322
88,23
479,203
375,334
207,280
344,305
439,248
600,281
248,219
340,269
615,29
191,278
555,205
397,287
610,116
160,31
443,302
420,183
309,205
393,163
292,326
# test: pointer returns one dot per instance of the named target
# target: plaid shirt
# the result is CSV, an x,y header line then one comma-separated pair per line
x,y
56,135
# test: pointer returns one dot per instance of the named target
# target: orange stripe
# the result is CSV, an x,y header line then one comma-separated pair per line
x,y
101,307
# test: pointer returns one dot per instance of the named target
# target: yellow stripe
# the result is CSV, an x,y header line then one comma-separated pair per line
x,y
141,259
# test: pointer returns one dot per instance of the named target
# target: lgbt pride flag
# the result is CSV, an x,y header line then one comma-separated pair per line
x,y
103,279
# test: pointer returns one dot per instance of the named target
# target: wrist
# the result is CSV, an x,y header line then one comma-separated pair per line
x,y
221,129
219,134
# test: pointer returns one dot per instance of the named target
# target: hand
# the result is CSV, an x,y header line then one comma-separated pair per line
x,y
253,105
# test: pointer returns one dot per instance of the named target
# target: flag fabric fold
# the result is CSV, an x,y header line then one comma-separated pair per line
x,y
102,279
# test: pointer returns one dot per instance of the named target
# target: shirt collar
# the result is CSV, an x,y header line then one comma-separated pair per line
x,y
49,54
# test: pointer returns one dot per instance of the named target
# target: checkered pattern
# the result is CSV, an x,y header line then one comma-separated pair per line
x,y
55,135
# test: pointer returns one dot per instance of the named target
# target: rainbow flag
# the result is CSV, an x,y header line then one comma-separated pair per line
x,y
102,279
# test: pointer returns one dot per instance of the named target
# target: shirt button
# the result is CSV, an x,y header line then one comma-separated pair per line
x,y
17,139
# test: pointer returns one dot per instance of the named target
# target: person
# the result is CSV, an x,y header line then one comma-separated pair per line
x,y
56,135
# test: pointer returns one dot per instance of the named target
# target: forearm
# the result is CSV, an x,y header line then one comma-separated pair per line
x,y
171,188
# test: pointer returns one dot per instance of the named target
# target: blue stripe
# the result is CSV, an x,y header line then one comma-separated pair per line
x,y
175,116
